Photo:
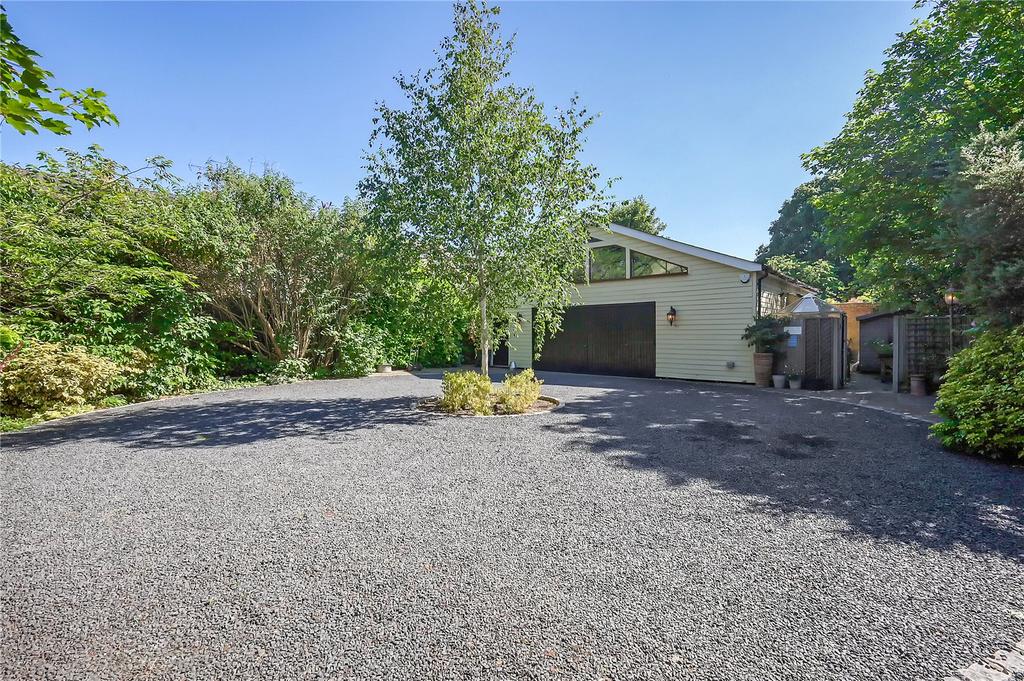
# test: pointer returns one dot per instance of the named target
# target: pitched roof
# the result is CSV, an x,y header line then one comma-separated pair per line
x,y
688,249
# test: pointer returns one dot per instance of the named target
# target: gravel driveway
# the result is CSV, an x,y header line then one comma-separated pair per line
x,y
653,529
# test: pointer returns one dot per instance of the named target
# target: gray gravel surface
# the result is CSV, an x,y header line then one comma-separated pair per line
x,y
646,529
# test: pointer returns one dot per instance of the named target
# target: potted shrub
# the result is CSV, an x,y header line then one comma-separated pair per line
x,y
763,335
795,381
881,347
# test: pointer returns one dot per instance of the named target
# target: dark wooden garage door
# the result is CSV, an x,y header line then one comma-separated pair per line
x,y
617,340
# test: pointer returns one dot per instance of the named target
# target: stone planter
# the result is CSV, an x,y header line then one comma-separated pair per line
x,y
918,385
383,368
779,380
795,382
763,369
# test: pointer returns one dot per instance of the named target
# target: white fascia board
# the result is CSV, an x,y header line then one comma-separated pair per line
x,y
688,249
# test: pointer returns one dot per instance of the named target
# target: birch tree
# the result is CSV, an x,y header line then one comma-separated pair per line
x,y
484,183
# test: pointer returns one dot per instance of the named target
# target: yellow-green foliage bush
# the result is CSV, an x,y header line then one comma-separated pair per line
x,y
466,390
48,377
518,392
982,396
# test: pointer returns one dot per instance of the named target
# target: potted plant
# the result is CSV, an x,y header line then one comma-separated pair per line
x,y
882,348
795,381
763,335
918,385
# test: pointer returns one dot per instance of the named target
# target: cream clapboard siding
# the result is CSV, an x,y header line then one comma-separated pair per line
x,y
713,308
777,294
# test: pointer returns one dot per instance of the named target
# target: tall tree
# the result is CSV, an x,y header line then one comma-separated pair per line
x,y
274,263
819,274
888,168
637,213
489,189
987,208
797,235
28,102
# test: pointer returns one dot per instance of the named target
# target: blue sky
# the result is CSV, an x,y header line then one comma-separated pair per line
x,y
705,107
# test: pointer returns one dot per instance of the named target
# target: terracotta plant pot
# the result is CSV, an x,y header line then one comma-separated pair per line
x,y
779,380
918,385
763,369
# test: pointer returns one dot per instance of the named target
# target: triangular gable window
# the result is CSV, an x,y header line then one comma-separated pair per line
x,y
643,265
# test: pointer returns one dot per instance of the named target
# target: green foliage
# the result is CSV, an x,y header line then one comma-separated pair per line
x,y
47,377
288,370
888,169
765,333
360,349
798,234
28,102
466,391
982,396
518,392
637,213
274,263
881,347
9,340
987,207
820,274
475,180
82,262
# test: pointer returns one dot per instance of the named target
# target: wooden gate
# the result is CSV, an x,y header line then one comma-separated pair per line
x,y
818,351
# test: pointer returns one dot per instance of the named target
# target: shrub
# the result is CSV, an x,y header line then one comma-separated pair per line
x,y
518,392
360,349
48,377
881,347
466,390
288,371
982,398
765,333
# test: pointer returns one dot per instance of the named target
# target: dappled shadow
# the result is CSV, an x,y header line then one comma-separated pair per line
x,y
789,454
223,423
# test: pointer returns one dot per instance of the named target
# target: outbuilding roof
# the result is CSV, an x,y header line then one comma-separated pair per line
x,y
707,254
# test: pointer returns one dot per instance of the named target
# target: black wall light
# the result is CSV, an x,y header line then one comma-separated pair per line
x,y
671,316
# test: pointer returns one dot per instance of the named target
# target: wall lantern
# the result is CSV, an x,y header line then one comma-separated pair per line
x,y
671,316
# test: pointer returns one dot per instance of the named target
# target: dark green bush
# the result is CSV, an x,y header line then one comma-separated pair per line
x,y
982,396
765,333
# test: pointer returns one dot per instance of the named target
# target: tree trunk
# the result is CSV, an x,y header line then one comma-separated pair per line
x,y
484,338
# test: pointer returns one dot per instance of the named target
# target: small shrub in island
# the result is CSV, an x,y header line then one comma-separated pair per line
x,y
469,391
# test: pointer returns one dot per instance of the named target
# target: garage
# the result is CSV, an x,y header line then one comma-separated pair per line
x,y
616,340
651,306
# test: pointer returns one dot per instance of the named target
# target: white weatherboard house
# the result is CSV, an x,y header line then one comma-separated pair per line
x,y
657,307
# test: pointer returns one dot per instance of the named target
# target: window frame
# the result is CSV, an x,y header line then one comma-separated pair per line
x,y
686,270
590,264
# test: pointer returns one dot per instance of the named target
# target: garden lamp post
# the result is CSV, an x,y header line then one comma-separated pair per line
x,y
950,297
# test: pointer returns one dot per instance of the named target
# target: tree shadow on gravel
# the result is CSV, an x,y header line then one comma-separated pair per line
x,y
220,424
790,455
